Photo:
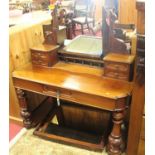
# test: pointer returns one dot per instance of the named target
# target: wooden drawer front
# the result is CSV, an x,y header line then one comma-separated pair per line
x,y
40,62
41,56
41,59
77,97
116,66
53,91
116,74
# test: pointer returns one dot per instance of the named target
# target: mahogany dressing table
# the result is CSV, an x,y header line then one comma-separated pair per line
x,y
74,86
81,88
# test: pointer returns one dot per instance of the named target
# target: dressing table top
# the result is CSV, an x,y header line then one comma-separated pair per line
x,y
89,80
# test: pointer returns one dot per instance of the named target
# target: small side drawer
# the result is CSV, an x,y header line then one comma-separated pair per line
x,y
116,74
40,62
116,66
44,58
38,55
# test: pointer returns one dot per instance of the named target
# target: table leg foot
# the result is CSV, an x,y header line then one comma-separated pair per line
x,y
115,138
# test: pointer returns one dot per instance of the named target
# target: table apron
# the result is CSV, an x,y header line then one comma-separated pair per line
x,y
71,95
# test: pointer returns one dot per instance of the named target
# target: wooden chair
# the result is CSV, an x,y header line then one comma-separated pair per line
x,y
84,14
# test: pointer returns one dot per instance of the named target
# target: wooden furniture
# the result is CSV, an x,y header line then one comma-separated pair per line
x,y
55,36
44,55
85,86
84,14
26,32
55,32
119,66
136,135
127,12
89,52
112,42
89,95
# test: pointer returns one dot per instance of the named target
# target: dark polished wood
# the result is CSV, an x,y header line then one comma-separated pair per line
x,y
26,115
119,66
44,55
115,138
53,33
32,117
80,88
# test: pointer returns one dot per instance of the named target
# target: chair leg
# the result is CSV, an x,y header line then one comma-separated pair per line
x,y
82,28
88,27
93,23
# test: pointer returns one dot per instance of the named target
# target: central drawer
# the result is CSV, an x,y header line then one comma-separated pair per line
x,y
57,91
79,97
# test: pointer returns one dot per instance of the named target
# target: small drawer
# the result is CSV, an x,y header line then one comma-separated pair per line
x,y
43,59
40,62
117,66
37,55
116,74
44,55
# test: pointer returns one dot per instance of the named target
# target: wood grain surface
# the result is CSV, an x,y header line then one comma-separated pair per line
x,y
86,83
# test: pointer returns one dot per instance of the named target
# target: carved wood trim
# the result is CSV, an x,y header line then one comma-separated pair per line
x,y
115,139
25,114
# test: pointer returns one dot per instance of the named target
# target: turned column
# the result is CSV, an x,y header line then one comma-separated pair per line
x,y
115,138
25,114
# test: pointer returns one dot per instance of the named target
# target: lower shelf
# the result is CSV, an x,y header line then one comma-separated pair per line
x,y
70,136
75,125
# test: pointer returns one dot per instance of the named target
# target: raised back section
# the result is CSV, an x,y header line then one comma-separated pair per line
x,y
112,43
55,33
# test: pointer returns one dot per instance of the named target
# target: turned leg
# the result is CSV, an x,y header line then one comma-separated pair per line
x,y
82,29
25,114
115,138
